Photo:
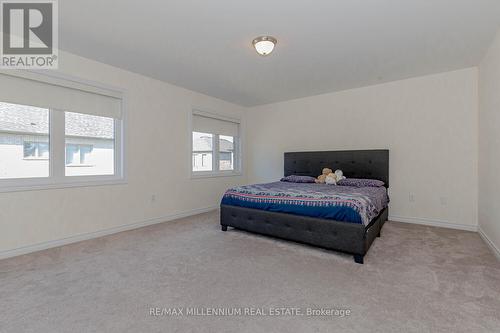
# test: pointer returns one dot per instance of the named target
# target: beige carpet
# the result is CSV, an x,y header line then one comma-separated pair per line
x,y
415,279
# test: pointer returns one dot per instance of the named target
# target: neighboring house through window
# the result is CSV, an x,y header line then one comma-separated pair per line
x,y
90,145
226,152
24,142
202,151
92,137
215,145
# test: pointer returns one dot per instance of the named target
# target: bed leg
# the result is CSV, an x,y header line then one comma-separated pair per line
x,y
224,227
358,258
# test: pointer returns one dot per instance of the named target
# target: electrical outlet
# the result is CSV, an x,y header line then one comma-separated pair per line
x,y
153,197
411,197
443,200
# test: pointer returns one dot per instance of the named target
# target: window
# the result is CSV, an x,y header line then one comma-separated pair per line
x,y
90,145
36,150
78,155
215,145
24,141
72,136
202,151
226,152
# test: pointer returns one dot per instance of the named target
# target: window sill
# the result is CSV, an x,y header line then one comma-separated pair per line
x,y
40,185
202,174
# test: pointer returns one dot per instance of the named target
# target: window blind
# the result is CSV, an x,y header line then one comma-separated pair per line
x,y
208,124
54,93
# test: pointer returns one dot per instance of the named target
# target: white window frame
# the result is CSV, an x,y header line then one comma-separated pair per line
x,y
57,152
238,156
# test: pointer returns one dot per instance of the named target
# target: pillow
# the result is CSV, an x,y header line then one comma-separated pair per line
x,y
357,182
298,179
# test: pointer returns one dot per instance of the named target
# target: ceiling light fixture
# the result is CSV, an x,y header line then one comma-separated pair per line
x,y
264,45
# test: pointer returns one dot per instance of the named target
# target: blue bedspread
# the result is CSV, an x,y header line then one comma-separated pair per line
x,y
340,203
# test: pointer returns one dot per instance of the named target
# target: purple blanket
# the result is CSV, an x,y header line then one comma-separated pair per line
x,y
340,203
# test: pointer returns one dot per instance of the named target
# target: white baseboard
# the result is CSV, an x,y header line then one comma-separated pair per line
x,y
491,245
432,223
86,236
91,235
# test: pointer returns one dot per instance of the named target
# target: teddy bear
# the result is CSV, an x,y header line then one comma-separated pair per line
x,y
340,175
331,179
321,179
334,177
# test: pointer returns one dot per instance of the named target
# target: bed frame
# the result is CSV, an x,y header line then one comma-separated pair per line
x,y
341,236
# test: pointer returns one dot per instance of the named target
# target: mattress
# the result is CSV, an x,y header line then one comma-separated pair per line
x,y
340,203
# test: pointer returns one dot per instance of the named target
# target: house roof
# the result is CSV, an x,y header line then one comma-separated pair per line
x,y
204,143
33,120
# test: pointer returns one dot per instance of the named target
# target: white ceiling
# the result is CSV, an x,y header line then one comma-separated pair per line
x,y
323,46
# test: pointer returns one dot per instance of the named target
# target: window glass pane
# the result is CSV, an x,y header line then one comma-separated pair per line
x,y
202,151
43,150
35,150
29,148
24,141
226,152
90,145
85,153
71,151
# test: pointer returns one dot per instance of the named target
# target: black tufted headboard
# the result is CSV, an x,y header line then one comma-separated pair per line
x,y
373,164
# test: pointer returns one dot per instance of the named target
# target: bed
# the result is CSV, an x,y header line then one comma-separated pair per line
x,y
340,218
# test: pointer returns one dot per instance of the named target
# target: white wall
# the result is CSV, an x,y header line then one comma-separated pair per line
x,y
430,125
158,163
489,144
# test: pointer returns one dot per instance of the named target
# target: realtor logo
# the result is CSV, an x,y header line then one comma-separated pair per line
x,y
29,33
